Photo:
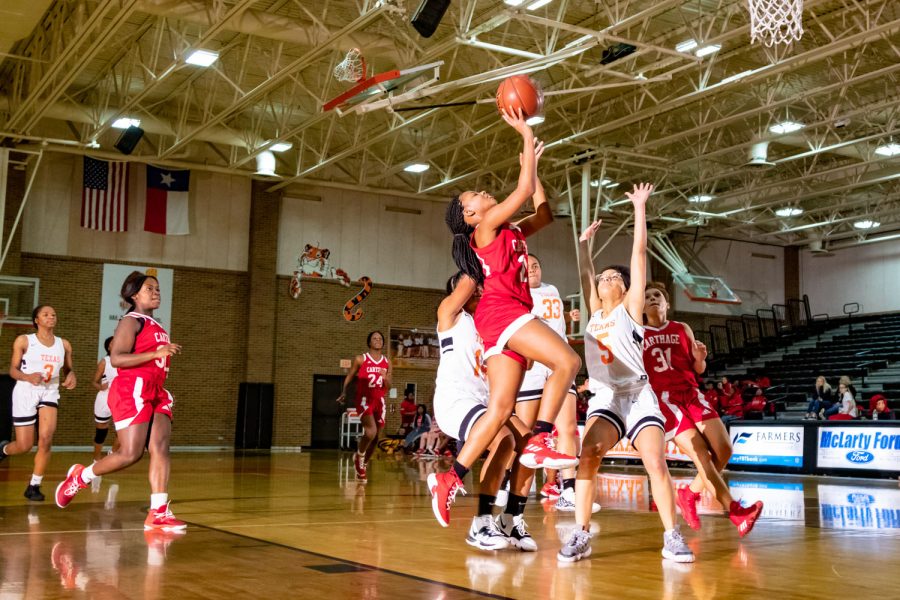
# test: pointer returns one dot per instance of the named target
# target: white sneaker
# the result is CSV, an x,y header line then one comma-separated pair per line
x,y
485,535
566,502
578,546
675,548
516,531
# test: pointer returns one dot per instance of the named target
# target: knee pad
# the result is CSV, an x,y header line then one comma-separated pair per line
x,y
100,435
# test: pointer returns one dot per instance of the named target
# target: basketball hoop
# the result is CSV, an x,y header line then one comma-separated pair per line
x,y
352,68
776,21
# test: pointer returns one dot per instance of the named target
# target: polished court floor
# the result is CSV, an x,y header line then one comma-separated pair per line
x,y
298,526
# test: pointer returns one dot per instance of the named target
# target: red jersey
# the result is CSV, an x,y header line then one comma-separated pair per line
x,y
370,379
505,265
148,339
668,358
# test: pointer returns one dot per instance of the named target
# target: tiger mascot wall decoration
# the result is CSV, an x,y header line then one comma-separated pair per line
x,y
313,262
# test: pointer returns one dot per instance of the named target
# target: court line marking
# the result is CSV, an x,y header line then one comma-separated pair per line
x,y
358,564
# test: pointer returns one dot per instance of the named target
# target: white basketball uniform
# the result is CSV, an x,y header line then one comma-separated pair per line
x,y
27,397
549,308
102,414
461,391
613,350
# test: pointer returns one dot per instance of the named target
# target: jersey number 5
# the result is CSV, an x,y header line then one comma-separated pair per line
x,y
606,355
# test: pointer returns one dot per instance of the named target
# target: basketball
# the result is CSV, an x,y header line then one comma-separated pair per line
x,y
520,92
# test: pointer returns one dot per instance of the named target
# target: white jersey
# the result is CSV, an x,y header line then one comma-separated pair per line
x,y
109,372
549,308
46,360
613,349
461,370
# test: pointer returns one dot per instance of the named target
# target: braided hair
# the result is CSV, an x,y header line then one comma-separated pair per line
x,y
463,255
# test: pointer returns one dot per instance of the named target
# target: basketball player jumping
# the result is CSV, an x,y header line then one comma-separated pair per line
x,y
140,351
511,334
39,361
372,372
672,357
624,404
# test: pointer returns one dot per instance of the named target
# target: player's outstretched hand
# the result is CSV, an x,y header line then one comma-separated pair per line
x,y
590,231
516,120
700,351
69,382
639,194
575,315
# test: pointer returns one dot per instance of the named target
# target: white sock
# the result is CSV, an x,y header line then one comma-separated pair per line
x,y
88,474
668,531
158,500
36,479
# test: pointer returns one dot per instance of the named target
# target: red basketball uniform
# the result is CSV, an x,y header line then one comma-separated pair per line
x,y
669,362
138,392
506,303
370,388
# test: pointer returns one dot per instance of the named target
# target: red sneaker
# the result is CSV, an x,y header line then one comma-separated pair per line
x,y
70,486
550,490
360,466
538,454
687,502
744,518
443,488
163,519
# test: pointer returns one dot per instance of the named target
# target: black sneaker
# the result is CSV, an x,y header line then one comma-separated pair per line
x,y
33,492
3,454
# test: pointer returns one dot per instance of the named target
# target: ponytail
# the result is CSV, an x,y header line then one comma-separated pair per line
x,y
463,255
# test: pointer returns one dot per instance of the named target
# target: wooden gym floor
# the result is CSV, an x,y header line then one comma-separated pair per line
x,y
298,526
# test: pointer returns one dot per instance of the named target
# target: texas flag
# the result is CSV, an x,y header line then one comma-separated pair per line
x,y
167,201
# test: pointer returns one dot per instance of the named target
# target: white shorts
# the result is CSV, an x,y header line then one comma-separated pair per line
x,y
457,412
28,398
533,383
629,410
102,414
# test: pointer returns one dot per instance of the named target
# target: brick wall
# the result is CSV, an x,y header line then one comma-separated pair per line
x,y
208,320
262,259
312,337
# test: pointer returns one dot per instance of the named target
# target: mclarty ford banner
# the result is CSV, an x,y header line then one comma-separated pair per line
x,y
849,507
859,448
761,445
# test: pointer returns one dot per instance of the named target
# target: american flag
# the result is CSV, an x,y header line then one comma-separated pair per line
x,y
104,197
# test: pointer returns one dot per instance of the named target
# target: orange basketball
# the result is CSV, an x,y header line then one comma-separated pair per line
x,y
520,91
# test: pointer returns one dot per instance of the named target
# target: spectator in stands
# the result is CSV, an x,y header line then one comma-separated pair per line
x,y
420,425
846,381
763,382
821,398
433,441
847,407
731,402
711,395
725,388
757,405
881,412
408,410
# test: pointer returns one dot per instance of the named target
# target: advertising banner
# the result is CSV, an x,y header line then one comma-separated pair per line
x,y
858,448
782,500
767,445
854,507
112,307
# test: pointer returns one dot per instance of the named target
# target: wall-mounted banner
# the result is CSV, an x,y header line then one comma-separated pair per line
x,y
767,445
852,507
875,448
112,307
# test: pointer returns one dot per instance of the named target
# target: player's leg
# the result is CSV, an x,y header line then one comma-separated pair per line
x,y
694,446
567,443
46,428
651,445
24,414
101,430
160,515
512,521
24,441
536,341
370,450
484,532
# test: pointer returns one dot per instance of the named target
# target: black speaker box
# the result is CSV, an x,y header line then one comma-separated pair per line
x,y
129,139
429,16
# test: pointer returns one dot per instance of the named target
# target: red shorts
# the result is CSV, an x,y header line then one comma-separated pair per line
x,y
371,406
683,409
498,326
135,400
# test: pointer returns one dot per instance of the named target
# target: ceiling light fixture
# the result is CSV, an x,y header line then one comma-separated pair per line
x,y
538,4
514,2
698,198
789,211
202,58
866,224
416,168
604,183
786,127
892,149
281,146
686,45
707,50
125,123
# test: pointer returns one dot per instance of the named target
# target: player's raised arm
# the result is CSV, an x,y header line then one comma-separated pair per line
x,y
586,267
634,298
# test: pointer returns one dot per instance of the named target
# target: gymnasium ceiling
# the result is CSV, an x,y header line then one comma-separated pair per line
x,y
72,67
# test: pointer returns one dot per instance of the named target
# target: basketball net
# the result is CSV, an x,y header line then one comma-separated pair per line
x,y
776,21
352,68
